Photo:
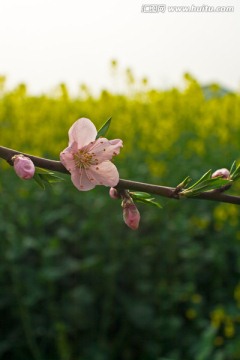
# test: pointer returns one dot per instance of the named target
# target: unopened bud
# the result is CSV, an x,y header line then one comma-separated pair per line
x,y
223,173
114,193
131,215
23,166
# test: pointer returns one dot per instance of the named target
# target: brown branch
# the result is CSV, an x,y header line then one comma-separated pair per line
x,y
7,154
169,192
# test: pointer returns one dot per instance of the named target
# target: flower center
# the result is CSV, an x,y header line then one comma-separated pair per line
x,y
84,159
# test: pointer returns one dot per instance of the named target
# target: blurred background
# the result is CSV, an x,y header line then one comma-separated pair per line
x,y
76,283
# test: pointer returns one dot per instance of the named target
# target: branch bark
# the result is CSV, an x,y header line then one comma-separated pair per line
x,y
165,191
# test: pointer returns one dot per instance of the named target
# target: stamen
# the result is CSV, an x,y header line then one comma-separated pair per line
x,y
83,159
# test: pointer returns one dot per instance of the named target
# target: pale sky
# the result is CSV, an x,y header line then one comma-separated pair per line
x,y
45,42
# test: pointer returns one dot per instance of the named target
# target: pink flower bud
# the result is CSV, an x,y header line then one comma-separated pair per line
x,y
23,167
114,193
131,215
223,173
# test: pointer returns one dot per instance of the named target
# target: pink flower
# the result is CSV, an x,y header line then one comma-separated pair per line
x,y
131,215
223,173
23,166
88,159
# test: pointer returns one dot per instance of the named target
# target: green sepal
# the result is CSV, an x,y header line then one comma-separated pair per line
x,y
104,128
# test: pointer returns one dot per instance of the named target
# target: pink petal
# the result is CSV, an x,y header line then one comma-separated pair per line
x,y
81,180
66,157
83,131
105,173
105,149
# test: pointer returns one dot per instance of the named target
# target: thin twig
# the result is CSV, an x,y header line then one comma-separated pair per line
x,y
169,192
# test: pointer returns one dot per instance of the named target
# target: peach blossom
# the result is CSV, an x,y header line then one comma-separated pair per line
x,y
88,159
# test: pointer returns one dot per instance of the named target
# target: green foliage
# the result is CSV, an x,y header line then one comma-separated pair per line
x,y
104,128
75,282
205,183
235,171
145,198
44,177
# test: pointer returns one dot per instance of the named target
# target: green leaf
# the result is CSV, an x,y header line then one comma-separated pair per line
x,y
145,198
205,177
43,176
39,170
50,178
206,185
236,173
233,167
185,182
103,130
39,181
140,195
150,202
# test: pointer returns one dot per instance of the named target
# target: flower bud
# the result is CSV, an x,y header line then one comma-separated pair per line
x,y
131,215
114,193
23,166
223,173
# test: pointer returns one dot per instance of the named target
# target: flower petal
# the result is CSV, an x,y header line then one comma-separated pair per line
x,y
83,131
105,173
66,157
105,149
81,180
